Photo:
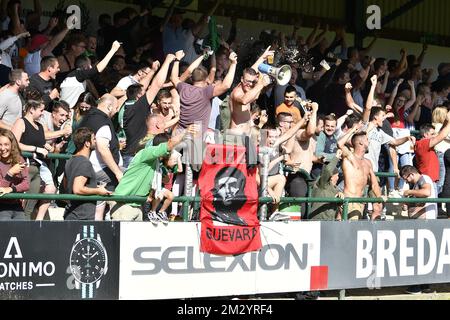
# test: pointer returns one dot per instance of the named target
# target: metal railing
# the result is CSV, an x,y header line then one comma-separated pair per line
x,y
53,156
187,200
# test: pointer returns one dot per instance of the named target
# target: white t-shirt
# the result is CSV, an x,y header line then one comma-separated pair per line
x,y
32,63
124,83
8,47
215,113
10,107
96,159
407,147
46,119
431,208
377,138
71,89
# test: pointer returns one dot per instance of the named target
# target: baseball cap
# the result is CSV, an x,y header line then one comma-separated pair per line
x,y
37,41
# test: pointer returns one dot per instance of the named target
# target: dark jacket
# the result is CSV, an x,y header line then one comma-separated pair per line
x,y
324,189
97,119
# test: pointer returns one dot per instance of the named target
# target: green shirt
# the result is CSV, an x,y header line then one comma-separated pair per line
x,y
138,178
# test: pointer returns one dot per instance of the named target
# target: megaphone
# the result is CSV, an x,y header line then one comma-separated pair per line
x,y
282,74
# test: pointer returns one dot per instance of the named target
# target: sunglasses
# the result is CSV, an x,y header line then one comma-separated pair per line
x,y
407,177
254,82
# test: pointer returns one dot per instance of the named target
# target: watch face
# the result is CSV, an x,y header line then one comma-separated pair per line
x,y
88,261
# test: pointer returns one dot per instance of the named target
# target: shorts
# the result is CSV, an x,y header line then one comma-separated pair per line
x,y
46,175
355,211
125,212
159,194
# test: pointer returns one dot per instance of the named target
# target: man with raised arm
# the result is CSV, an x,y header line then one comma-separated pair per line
x,y
358,171
302,148
277,181
137,180
245,94
76,81
196,99
135,111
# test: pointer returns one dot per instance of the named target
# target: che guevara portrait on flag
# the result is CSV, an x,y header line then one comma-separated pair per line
x,y
229,196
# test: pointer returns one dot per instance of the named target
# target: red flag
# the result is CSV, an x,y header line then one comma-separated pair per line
x,y
229,206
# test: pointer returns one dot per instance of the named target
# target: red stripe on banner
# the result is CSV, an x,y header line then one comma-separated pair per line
x,y
319,278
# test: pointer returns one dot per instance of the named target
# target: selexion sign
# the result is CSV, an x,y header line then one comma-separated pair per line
x,y
169,257
180,260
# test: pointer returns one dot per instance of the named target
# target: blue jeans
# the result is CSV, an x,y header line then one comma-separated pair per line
x,y
440,184
405,160
127,161
11,211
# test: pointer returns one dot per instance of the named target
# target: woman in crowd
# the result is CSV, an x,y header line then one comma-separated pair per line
x,y
31,136
438,117
13,176
86,101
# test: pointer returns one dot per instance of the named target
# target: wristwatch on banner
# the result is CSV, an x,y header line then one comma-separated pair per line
x,y
88,261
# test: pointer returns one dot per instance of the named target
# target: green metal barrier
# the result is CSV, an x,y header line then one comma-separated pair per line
x,y
386,175
61,156
54,156
184,200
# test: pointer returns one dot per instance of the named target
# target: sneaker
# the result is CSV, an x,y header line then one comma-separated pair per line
x,y
414,290
277,216
162,216
153,218
427,289
395,194
307,295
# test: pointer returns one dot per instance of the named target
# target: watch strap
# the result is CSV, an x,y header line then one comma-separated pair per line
x,y
88,232
87,291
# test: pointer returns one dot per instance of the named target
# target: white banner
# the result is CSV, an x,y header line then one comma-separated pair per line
x,y
165,262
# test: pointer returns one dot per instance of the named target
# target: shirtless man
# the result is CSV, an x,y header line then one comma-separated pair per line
x,y
358,171
245,94
277,181
301,148
168,106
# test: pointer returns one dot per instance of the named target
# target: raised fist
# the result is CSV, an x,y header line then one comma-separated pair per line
x,y
233,57
374,80
180,54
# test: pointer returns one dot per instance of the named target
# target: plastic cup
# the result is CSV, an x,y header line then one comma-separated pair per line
x,y
325,65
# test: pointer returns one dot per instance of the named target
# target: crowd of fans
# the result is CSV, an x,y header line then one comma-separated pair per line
x,y
124,102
